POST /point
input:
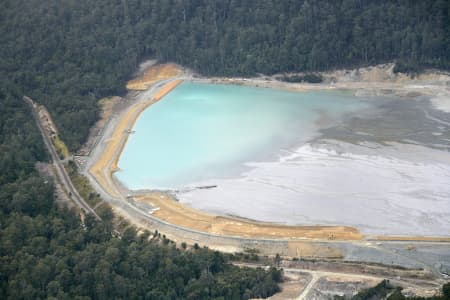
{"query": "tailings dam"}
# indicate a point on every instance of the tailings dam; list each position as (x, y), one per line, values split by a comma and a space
(377, 163)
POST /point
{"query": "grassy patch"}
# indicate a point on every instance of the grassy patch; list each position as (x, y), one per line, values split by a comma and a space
(83, 186)
(61, 148)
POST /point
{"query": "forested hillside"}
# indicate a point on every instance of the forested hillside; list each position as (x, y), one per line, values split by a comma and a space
(46, 253)
(67, 54)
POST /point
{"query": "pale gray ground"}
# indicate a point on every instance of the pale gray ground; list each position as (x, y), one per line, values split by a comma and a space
(385, 170)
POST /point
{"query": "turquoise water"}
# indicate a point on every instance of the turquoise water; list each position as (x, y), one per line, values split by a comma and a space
(204, 131)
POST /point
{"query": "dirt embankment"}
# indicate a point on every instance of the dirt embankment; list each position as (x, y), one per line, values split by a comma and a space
(103, 168)
(52, 132)
(413, 238)
(153, 74)
(108, 106)
(375, 80)
(176, 213)
(382, 73)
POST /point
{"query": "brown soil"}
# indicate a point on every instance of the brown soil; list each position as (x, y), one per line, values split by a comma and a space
(413, 238)
(107, 163)
(182, 215)
(305, 249)
(165, 90)
(107, 107)
(153, 74)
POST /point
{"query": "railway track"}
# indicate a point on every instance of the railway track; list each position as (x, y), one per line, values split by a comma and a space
(61, 172)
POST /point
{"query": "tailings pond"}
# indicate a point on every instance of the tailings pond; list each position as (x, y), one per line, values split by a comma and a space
(381, 164)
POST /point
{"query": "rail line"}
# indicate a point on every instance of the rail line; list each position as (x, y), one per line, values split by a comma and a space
(61, 172)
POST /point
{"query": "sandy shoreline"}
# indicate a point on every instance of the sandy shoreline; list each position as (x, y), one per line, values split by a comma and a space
(168, 209)
(106, 165)
(176, 213)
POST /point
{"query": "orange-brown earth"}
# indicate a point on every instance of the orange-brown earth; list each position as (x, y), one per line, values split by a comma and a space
(176, 213)
(154, 74)
(107, 163)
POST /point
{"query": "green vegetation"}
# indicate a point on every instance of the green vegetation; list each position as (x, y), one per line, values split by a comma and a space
(47, 252)
(82, 185)
(407, 67)
(68, 54)
(380, 291)
(61, 148)
(384, 290)
(55, 257)
(309, 78)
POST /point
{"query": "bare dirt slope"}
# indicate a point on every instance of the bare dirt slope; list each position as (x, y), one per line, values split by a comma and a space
(154, 74)
(107, 162)
(176, 213)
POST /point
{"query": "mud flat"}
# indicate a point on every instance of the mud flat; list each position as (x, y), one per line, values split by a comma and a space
(398, 152)
(368, 188)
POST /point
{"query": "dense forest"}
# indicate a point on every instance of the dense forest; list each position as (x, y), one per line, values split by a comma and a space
(67, 54)
(48, 253)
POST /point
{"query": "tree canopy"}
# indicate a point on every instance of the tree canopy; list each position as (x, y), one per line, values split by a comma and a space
(67, 54)
(48, 253)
